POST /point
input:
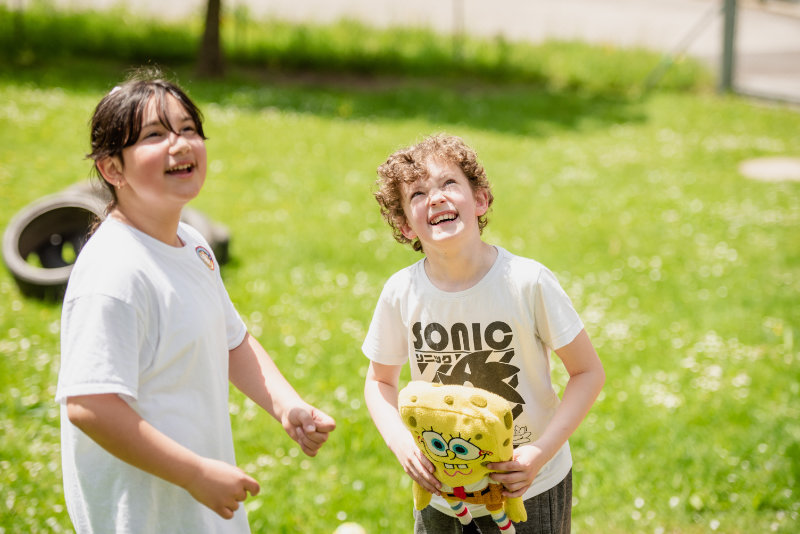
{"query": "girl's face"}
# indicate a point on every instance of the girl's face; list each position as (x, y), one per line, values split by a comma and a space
(163, 169)
(442, 207)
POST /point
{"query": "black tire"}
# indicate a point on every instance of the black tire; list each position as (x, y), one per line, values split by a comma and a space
(47, 227)
(43, 229)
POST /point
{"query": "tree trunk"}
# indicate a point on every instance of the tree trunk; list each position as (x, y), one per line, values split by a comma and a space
(209, 60)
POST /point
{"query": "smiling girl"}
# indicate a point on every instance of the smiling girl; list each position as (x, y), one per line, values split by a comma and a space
(150, 339)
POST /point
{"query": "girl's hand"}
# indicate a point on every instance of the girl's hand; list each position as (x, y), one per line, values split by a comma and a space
(221, 486)
(417, 466)
(309, 427)
(518, 473)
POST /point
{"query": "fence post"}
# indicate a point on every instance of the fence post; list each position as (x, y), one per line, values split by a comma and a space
(728, 46)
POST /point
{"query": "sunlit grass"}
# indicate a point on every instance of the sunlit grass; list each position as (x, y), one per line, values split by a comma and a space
(41, 34)
(686, 274)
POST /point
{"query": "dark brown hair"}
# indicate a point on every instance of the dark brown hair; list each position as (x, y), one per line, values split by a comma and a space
(408, 165)
(117, 119)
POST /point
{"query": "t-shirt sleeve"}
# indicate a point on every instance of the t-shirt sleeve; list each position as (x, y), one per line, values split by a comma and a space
(557, 322)
(103, 357)
(235, 329)
(387, 338)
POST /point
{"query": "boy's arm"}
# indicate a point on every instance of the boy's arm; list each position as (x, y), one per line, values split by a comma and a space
(586, 379)
(115, 426)
(254, 373)
(380, 393)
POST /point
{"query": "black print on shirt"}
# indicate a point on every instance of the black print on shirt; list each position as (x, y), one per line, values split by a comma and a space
(474, 354)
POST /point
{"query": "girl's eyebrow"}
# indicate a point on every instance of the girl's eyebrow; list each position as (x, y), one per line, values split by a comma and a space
(159, 122)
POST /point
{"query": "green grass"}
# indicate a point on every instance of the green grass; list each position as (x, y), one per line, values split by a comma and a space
(686, 273)
(42, 35)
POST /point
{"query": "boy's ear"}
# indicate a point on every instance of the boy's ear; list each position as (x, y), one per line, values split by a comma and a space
(406, 230)
(481, 202)
(110, 168)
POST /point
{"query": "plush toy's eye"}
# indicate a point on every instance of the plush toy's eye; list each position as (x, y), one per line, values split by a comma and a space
(463, 449)
(435, 442)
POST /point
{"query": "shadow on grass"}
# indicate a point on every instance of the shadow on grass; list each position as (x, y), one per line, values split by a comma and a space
(514, 108)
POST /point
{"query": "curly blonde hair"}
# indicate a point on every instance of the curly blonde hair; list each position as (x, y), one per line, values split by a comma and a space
(408, 165)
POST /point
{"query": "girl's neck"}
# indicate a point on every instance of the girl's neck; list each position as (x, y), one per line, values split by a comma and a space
(459, 270)
(164, 229)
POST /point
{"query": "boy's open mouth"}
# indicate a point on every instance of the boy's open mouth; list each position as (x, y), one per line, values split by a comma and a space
(443, 217)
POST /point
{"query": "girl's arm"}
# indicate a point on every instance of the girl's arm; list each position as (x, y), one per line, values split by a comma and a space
(586, 379)
(380, 393)
(254, 373)
(115, 426)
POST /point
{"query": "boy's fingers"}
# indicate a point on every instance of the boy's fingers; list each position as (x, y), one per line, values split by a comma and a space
(510, 465)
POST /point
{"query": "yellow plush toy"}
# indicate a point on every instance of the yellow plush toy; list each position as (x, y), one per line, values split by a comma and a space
(460, 429)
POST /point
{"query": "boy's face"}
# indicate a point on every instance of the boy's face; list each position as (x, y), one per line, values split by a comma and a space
(442, 206)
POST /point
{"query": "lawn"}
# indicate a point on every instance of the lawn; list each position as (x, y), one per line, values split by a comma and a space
(686, 273)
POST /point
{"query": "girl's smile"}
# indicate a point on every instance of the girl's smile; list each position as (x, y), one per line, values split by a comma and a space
(161, 172)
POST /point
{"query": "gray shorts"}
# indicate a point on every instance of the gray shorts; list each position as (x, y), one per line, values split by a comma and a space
(548, 513)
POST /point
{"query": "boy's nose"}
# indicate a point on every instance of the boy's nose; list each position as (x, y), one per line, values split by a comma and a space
(437, 196)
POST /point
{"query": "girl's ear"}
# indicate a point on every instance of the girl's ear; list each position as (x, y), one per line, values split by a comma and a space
(481, 202)
(110, 168)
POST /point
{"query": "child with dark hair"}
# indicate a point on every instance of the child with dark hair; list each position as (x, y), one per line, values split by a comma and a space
(470, 313)
(150, 340)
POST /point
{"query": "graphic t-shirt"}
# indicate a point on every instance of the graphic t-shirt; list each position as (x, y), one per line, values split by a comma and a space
(496, 335)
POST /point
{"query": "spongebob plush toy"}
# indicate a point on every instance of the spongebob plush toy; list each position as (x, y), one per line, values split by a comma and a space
(460, 429)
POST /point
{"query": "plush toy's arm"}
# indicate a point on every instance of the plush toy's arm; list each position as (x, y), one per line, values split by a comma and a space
(421, 497)
(515, 509)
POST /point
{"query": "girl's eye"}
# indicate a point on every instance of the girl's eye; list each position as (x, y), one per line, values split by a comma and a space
(415, 194)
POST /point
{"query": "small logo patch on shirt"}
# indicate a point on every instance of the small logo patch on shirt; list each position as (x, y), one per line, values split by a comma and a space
(205, 256)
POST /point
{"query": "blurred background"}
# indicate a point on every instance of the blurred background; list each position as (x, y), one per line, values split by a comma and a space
(765, 36)
(647, 151)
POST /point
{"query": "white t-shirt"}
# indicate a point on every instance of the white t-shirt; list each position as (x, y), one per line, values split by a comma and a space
(496, 335)
(154, 324)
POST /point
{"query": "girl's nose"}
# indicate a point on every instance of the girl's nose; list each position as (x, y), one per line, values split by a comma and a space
(177, 143)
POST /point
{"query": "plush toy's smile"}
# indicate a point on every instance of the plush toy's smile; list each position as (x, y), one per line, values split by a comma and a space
(456, 472)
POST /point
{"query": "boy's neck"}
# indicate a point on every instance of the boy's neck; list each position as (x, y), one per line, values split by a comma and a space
(461, 269)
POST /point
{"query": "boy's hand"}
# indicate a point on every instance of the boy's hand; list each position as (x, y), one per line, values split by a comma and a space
(417, 466)
(221, 486)
(309, 427)
(518, 473)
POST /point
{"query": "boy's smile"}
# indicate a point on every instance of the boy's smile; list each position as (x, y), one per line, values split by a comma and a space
(442, 205)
